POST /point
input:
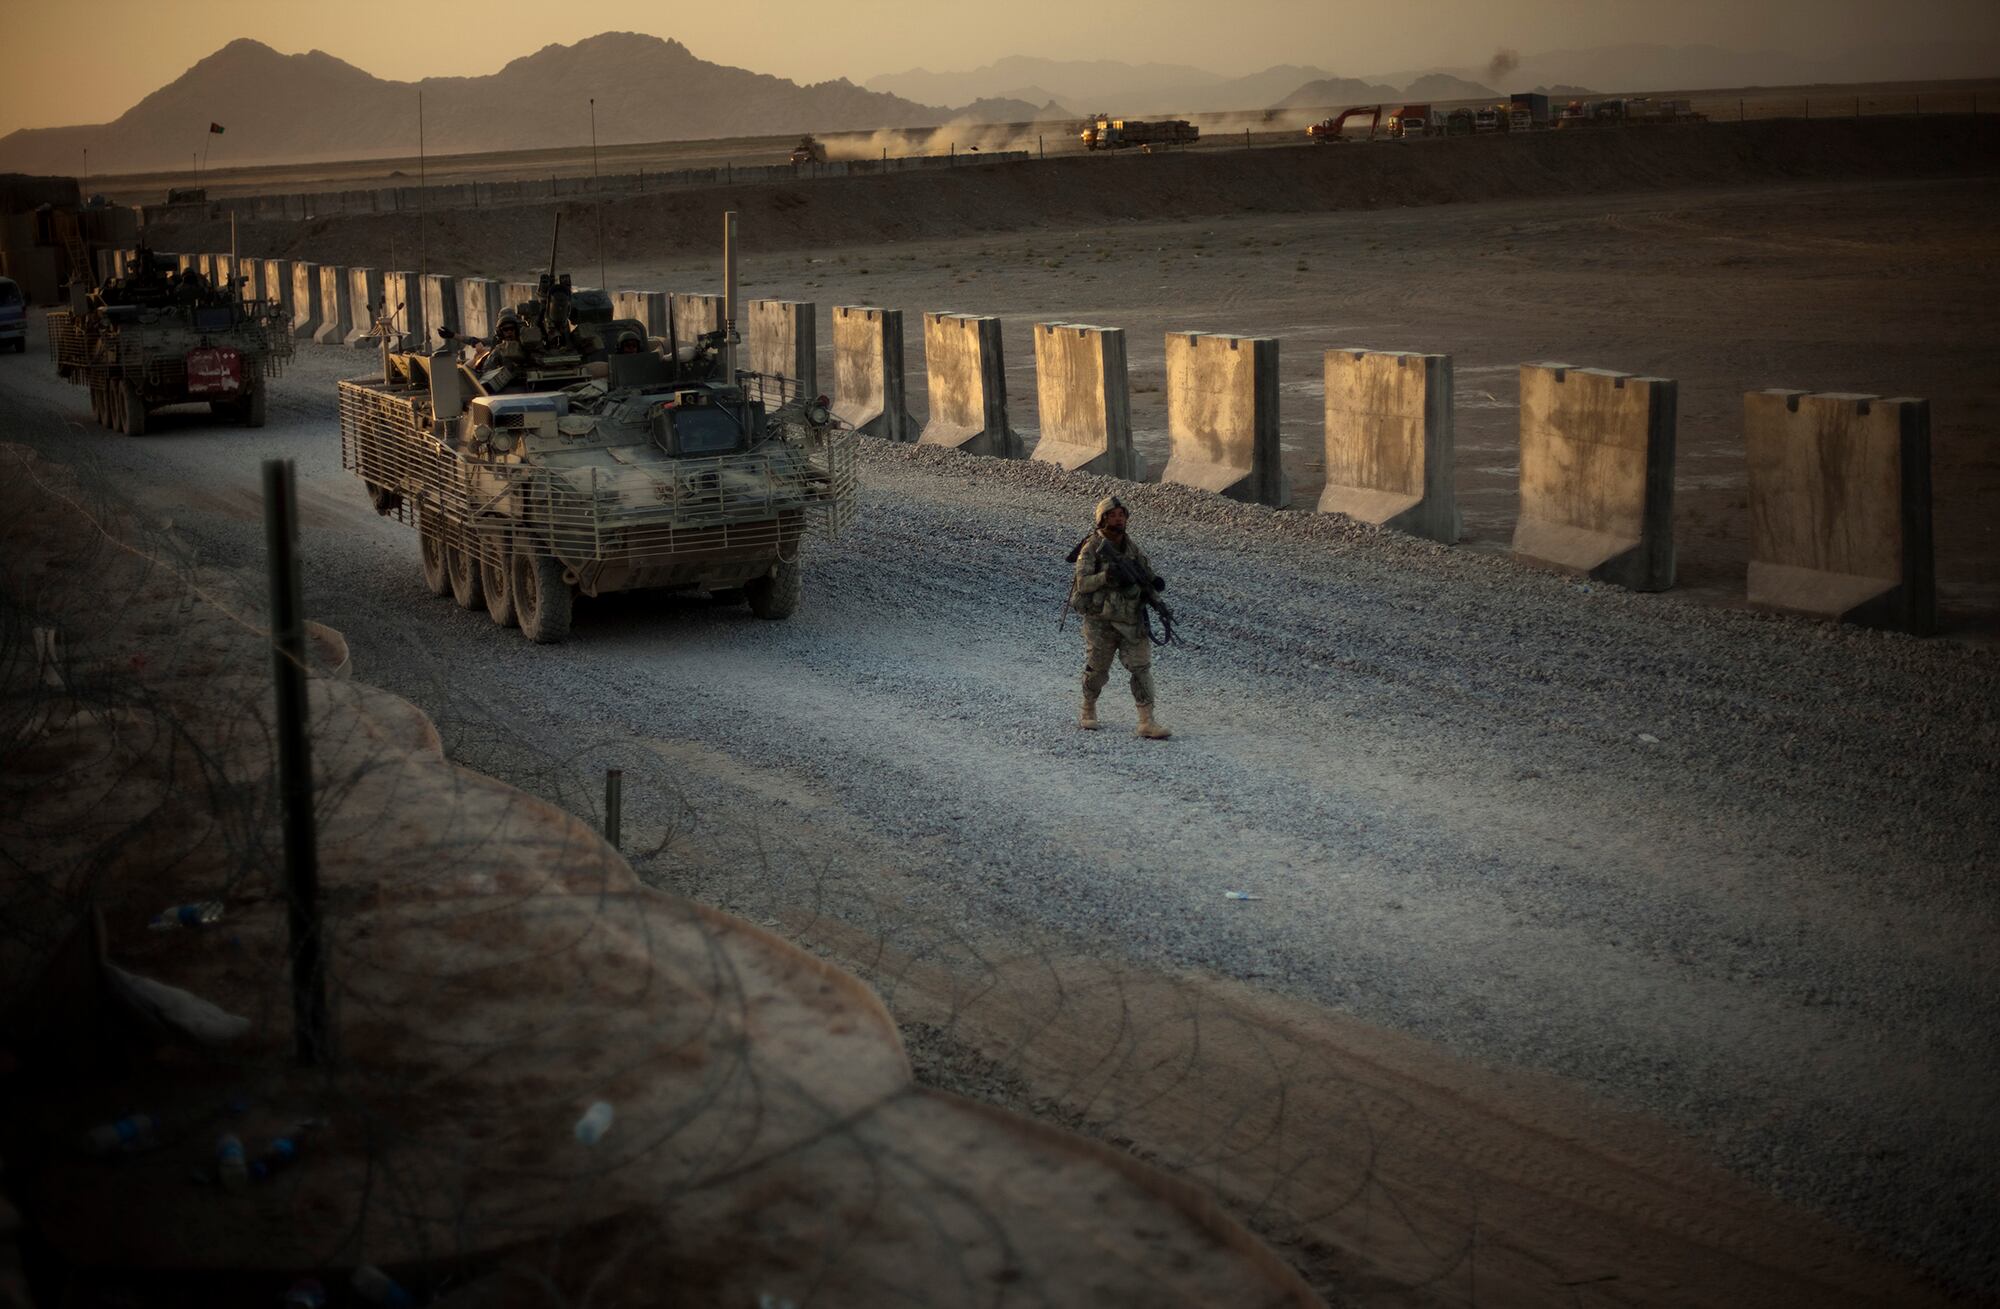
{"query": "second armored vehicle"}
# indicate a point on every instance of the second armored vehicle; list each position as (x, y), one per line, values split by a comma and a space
(157, 337)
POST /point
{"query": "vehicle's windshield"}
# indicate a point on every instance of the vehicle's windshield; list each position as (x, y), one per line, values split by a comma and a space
(706, 430)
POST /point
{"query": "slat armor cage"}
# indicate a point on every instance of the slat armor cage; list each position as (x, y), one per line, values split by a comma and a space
(156, 352)
(627, 511)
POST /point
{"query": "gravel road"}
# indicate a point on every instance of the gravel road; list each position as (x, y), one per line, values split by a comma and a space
(1730, 869)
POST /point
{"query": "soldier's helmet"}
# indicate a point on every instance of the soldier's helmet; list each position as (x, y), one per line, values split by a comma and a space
(509, 322)
(630, 344)
(1106, 505)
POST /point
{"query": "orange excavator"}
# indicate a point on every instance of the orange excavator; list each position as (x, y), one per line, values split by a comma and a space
(1329, 130)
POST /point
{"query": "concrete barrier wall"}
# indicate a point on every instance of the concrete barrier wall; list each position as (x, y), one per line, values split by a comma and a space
(649, 307)
(334, 318)
(478, 306)
(221, 269)
(1084, 398)
(784, 342)
(185, 262)
(484, 195)
(438, 292)
(1389, 443)
(405, 294)
(868, 372)
(1222, 416)
(364, 296)
(1597, 474)
(1840, 507)
(515, 294)
(694, 314)
(967, 375)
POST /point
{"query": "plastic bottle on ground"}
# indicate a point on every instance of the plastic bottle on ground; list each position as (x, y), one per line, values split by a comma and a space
(596, 1121)
(128, 1133)
(232, 1166)
(377, 1287)
(198, 914)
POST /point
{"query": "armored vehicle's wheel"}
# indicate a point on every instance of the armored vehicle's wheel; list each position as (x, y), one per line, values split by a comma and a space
(775, 595)
(252, 412)
(114, 406)
(494, 576)
(135, 411)
(541, 597)
(431, 546)
(464, 570)
(97, 402)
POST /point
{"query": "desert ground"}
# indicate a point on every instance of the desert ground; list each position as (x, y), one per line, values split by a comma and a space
(1608, 948)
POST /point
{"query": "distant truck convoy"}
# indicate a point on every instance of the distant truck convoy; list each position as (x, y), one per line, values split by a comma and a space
(1527, 111)
(1410, 121)
(1107, 133)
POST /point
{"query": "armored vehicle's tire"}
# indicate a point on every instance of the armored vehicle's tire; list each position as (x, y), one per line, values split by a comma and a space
(464, 569)
(97, 402)
(432, 550)
(542, 598)
(114, 406)
(775, 595)
(252, 413)
(135, 411)
(495, 577)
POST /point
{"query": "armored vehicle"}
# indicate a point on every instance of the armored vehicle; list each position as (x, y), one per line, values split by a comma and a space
(585, 457)
(157, 336)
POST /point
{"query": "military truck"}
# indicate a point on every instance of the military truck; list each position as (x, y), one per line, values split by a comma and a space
(808, 151)
(586, 458)
(157, 336)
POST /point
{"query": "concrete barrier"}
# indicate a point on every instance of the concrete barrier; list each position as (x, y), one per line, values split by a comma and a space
(692, 314)
(1084, 399)
(515, 294)
(335, 319)
(306, 315)
(277, 283)
(1389, 444)
(649, 307)
(438, 293)
(185, 262)
(405, 294)
(364, 299)
(868, 372)
(478, 306)
(784, 342)
(1597, 474)
(221, 269)
(1840, 507)
(1222, 416)
(967, 374)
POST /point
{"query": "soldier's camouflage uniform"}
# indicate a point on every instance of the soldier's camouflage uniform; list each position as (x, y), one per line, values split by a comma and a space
(1113, 618)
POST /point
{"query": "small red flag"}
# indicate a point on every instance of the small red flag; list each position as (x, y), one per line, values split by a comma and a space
(215, 128)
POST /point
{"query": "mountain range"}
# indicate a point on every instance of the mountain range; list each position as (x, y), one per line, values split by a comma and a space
(313, 107)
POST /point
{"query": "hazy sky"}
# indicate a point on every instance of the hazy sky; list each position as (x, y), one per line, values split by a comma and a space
(132, 47)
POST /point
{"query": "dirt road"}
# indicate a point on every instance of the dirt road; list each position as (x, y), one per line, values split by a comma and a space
(1595, 930)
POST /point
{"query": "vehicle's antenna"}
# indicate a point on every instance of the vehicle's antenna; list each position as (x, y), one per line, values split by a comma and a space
(423, 249)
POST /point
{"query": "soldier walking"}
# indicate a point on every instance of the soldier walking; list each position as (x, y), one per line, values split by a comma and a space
(1111, 586)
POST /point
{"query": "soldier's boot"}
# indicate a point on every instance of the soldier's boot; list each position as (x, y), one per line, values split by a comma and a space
(1150, 728)
(1087, 720)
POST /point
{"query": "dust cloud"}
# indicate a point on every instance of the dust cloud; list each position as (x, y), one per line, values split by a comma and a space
(1502, 63)
(963, 135)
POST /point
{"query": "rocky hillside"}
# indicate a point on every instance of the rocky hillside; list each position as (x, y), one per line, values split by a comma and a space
(306, 107)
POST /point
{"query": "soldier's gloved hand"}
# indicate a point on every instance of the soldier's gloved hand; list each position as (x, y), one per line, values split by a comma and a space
(1159, 582)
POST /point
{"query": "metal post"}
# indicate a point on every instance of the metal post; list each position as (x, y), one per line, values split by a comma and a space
(614, 804)
(423, 248)
(311, 1039)
(593, 143)
(729, 297)
(602, 280)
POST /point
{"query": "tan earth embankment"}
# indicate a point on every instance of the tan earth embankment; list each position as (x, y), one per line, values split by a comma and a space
(1090, 190)
(494, 968)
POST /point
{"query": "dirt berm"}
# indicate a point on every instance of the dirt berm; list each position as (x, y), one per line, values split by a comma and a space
(1093, 190)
